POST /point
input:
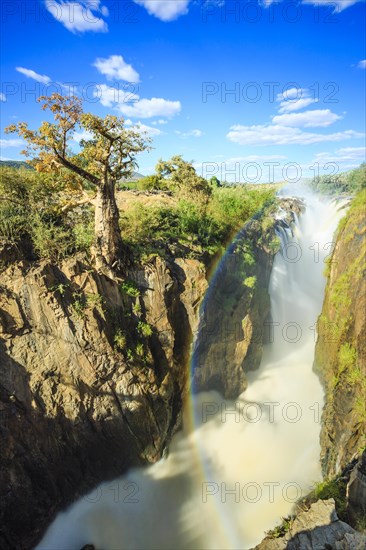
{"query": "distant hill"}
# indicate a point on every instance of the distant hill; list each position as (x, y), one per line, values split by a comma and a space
(16, 164)
(135, 176)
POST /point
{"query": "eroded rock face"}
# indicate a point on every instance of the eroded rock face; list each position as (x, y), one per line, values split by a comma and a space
(317, 528)
(93, 373)
(356, 490)
(79, 404)
(233, 326)
(340, 355)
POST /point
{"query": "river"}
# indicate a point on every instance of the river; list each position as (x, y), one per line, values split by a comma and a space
(244, 464)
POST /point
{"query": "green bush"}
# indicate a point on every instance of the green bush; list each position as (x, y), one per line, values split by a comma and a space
(83, 235)
(130, 288)
(50, 240)
(14, 222)
(120, 340)
(151, 183)
(250, 282)
(144, 329)
(347, 357)
(344, 182)
(195, 221)
(331, 488)
(202, 218)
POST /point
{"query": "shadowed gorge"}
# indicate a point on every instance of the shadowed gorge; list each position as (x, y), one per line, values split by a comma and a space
(209, 472)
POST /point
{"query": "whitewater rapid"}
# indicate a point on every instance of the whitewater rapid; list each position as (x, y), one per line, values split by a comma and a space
(245, 463)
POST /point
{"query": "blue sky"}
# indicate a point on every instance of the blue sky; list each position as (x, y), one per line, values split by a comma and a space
(295, 70)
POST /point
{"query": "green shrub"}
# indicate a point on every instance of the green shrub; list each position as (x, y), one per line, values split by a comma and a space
(250, 282)
(282, 529)
(50, 241)
(144, 329)
(347, 357)
(14, 222)
(151, 183)
(136, 308)
(79, 305)
(331, 488)
(83, 234)
(130, 288)
(94, 300)
(140, 350)
(120, 340)
(344, 182)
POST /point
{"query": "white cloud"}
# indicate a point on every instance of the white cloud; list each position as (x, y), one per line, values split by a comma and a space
(340, 160)
(191, 133)
(338, 5)
(11, 143)
(292, 94)
(362, 64)
(274, 134)
(143, 128)
(306, 119)
(165, 10)
(296, 105)
(131, 105)
(160, 121)
(354, 153)
(353, 156)
(81, 16)
(147, 108)
(108, 96)
(78, 136)
(256, 158)
(42, 78)
(2, 96)
(114, 67)
(294, 99)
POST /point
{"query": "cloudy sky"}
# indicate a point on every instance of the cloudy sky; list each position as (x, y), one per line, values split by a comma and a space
(248, 90)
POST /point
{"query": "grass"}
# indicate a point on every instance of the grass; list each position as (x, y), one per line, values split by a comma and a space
(120, 340)
(130, 288)
(79, 305)
(144, 329)
(196, 219)
(282, 529)
(331, 488)
(250, 282)
(195, 226)
(347, 369)
(94, 300)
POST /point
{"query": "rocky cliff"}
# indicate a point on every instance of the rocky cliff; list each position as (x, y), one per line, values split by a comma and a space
(93, 370)
(317, 528)
(91, 379)
(234, 321)
(316, 524)
(340, 356)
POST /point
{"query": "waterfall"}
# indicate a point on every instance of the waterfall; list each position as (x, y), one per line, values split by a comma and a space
(245, 463)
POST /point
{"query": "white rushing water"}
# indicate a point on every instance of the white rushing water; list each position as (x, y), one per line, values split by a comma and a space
(241, 468)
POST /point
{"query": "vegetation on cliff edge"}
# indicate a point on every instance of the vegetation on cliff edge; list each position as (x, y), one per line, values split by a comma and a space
(41, 210)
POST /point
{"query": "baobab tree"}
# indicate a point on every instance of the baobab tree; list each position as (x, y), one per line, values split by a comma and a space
(107, 154)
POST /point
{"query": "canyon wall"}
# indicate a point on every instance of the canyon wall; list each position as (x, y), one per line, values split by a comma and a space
(340, 356)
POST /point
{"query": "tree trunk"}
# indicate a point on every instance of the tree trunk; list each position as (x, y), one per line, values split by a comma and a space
(108, 242)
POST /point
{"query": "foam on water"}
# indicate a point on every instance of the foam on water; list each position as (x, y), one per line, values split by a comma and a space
(239, 470)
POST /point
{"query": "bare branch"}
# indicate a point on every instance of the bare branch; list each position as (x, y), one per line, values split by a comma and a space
(71, 206)
(77, 169)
